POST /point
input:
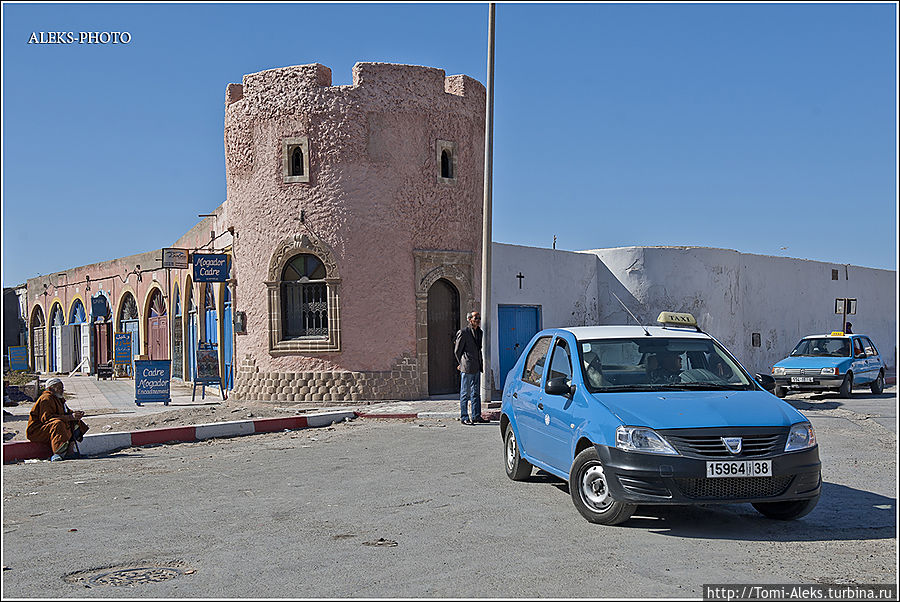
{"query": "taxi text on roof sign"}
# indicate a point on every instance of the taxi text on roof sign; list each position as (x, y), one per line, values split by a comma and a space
(836, 333)
(680, 319)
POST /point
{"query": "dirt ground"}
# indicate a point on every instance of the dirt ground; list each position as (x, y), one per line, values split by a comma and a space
(221, 411)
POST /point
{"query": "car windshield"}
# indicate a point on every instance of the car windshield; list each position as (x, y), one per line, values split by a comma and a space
(659, 364)
(823, 347)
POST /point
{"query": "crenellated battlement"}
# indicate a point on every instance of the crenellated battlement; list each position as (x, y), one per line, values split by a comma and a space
(372, 79)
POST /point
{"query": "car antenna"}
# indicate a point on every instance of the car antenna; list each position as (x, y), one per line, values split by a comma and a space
(647, 332)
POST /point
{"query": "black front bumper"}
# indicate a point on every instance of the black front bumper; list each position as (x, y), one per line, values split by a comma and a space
(639, 478)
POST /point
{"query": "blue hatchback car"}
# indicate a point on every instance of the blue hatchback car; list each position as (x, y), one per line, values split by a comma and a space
(660, 415)
(830, 362)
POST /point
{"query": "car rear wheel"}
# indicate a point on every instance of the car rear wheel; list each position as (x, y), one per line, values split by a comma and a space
(780, 392)
(589, 489)
(847, 386)
(787, 510)
(517, 469)
(878, 385)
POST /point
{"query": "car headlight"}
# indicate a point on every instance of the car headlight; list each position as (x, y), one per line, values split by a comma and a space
(801, 436)
(642, 439)
(830, 371)
(778, 371)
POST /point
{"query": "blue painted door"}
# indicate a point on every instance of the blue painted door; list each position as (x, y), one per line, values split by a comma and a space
(227, 339)
(517, 323)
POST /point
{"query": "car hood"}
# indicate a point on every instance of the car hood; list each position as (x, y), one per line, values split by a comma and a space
(699, 409)
(812, 362)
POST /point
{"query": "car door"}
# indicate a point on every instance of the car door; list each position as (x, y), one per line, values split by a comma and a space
(873, 357)
(555, 432)
(528, 394)
(860, 364)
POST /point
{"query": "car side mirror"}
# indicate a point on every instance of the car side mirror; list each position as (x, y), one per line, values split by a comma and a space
(766, 381)
(559, 386)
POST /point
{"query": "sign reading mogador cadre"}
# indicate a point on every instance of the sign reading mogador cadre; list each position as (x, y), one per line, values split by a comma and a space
(18, 358)
(175, 258)
(122, 348)
(210, 268)
(151, 381)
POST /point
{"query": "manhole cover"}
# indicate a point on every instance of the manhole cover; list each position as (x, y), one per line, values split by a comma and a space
(135, 576)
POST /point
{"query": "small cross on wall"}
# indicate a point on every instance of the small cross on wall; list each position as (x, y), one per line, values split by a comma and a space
(520, 276)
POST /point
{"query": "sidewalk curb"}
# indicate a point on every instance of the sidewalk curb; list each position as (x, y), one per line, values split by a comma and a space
(103, 443)
(487, 414)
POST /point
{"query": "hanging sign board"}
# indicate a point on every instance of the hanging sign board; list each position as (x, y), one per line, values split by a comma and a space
(210, 268)
(122, 348)
(18, 358)
(151, 381)
(175, 258)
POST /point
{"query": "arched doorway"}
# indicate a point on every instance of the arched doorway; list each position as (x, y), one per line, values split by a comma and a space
(227, 339)
(79, 338)
(38, 340)
(56, 333)
(158, 327)
(128, 322)
(192, 324)
(178, 339)
(443, 322)
(211, 330)
(102, 324)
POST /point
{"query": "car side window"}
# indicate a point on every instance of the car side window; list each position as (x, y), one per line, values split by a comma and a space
(869, 346)
(858, 348)
(561, 362)
(534, 362)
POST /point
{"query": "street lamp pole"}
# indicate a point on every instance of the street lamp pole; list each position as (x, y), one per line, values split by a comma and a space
(487, 314)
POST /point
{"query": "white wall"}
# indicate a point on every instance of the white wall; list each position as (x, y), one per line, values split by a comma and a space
(731, 294)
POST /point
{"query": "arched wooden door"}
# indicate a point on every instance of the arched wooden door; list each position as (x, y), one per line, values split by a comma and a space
(177, 339)
(80, 337)
(56, 334)
(443, 322)
(103, 339)
(158, 327)
(129, 322)
(227, 347)
(38, 340)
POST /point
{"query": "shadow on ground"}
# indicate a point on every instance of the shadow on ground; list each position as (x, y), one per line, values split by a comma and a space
(843, 513)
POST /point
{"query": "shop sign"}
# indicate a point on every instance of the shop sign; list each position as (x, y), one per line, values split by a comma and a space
(151, 381)
(122, 348)
(18, 358)
(175, 258)
(210, 267)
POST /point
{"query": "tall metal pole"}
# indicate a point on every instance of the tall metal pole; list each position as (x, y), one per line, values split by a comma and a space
(487, 314)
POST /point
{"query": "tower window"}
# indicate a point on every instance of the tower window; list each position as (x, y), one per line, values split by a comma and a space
(295, 159)
(446, 157)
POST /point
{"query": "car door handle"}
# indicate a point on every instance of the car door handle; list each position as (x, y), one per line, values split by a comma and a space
(540, 406)
(516, 395)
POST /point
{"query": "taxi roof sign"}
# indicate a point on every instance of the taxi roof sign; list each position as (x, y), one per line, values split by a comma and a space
(836, 333)
(676, 319)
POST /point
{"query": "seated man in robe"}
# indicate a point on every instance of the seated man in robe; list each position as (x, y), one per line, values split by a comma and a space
(51, 421)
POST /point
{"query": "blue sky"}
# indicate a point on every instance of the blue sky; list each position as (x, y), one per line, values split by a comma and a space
(746, 126)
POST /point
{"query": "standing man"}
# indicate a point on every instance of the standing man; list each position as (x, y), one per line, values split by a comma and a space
(51, 421)
(470, 364)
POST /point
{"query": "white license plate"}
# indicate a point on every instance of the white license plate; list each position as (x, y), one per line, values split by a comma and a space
(801, 379)
(741, 468)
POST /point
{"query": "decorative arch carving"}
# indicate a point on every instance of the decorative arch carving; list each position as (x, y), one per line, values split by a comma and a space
(302, 243)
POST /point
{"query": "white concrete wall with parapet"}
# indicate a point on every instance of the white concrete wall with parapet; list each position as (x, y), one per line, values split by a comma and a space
(732, 294)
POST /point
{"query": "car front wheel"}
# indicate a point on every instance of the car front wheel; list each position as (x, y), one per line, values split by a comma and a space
(517, 469)
(786, 510)
(589, 489)
(846, 389)
(878, 385)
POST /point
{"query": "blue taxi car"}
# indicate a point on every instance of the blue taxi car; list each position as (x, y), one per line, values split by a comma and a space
(630, 415)
(830, 362)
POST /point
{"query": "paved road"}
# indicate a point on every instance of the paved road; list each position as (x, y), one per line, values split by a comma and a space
(316, 513)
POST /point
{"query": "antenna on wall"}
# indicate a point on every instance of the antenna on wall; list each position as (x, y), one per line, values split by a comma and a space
(647, 332)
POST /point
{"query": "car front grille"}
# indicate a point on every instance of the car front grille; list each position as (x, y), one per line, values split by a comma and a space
(707, 443)
(734, 488)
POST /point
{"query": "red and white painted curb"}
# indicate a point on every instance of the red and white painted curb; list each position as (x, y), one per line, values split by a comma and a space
(103, 443)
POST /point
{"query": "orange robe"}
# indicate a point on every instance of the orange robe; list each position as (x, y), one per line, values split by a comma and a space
(44, 429)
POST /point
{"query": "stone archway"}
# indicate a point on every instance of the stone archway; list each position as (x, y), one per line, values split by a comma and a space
(457, 269)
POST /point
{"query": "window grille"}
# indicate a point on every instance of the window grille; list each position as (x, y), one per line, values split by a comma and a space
(304, 298)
